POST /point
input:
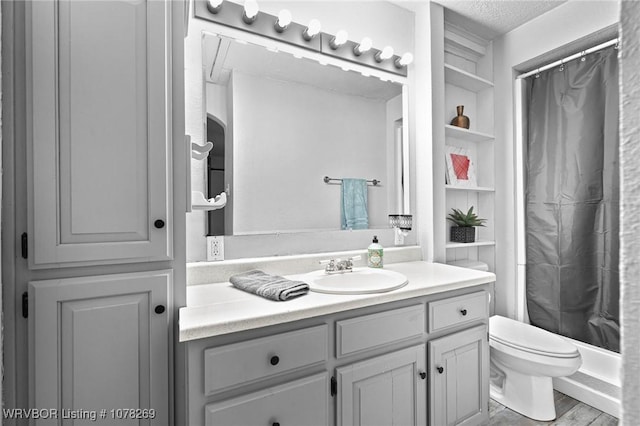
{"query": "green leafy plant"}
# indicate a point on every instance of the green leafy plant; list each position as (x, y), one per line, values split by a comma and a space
(468, 219)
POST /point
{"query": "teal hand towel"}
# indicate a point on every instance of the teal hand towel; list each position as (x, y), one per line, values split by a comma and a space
(353, 212)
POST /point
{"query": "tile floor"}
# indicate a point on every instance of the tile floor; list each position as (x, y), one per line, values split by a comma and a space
(569, 411)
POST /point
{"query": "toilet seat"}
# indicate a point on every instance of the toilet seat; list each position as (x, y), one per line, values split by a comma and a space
(530, 339)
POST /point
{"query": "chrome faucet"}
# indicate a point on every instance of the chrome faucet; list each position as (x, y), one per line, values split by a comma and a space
(339, 266)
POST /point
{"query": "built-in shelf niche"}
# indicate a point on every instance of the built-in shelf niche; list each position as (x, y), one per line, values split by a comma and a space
(468, 74)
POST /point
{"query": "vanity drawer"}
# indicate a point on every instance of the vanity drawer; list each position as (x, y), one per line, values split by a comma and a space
(457, 310)
(369, 331)
(245, 362)
(302, 402)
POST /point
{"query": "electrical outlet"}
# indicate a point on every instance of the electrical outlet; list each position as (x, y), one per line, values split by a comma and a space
(215, 247)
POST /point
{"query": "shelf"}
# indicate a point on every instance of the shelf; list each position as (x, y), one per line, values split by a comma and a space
(470, 188)
(451, 245)
(466, 134)
(466, 80)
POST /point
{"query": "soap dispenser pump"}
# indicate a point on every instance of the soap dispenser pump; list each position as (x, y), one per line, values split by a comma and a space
(374, 254)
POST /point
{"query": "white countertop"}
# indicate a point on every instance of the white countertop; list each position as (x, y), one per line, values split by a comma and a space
(219, 308)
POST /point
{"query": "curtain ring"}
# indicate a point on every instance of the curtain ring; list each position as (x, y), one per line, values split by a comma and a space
(538, 73)
(561, 65)
(584, 56)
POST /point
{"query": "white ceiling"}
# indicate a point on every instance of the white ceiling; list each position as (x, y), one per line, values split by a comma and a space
(491, 18)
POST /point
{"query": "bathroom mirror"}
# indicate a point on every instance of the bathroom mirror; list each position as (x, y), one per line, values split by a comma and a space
(280, 123)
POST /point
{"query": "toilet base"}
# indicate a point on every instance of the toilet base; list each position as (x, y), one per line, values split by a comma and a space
(531, 396)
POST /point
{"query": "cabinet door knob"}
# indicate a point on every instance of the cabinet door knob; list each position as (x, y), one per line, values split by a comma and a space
(440, 370)
(274, 360)
(159, 223)
(275, 424)
(463, 312)
(159, 309)
(423, 375)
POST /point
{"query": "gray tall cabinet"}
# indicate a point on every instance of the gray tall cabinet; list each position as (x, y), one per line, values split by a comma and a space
(95, 252)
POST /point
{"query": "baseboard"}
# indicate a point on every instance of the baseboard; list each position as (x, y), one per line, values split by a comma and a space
(592, 391)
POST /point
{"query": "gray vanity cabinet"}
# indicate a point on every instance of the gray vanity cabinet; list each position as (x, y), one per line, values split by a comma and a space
(385, 390)
(378, 365)
(458, 377)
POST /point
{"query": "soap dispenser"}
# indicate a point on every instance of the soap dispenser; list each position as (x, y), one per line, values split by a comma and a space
(374, 254)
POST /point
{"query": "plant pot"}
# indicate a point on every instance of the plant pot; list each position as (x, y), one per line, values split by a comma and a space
(463, 234)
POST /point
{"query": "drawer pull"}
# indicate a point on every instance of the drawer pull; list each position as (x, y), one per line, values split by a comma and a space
(423, 375)
(274, 361)
(463, 312)
(440, 370)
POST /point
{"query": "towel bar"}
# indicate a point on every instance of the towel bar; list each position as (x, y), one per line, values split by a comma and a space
(327, 179)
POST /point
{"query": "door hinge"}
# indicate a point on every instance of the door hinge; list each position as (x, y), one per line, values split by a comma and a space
(25, 304)
(24, 242)
(334, 386)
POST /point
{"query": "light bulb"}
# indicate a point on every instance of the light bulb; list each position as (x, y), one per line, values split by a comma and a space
(283, 21)
(384, 54)
(214, 6)
(312, 29)
(339, 39)
(251, 10)
(405, 60)
(364, 46)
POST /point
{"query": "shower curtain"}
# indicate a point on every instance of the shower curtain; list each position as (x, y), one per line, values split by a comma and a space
(572, 200)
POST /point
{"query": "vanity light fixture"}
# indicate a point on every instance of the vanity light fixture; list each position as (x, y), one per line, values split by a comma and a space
(404, 60)
(312, 30)
(214, 6)
(250, 13)
(384, 54)
(339, 39)
(363, 47)
(242, 15)
(283, 21)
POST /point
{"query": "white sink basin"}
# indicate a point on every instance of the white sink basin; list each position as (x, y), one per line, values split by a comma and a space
(360, 281)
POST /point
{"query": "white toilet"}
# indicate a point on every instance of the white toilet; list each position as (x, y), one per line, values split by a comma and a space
(524, 359)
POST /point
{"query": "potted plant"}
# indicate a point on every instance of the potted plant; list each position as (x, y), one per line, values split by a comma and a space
(464, 230)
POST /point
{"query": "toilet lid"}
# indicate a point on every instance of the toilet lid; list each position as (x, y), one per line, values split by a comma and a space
(529, 338)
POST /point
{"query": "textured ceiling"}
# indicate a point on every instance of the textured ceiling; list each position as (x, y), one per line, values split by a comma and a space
(491, 18)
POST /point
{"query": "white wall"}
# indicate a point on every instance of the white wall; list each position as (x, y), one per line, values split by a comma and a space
(630, 210)
(559, 27)
(287, 137)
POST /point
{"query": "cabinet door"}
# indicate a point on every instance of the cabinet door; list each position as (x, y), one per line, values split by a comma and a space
(386, 390)
(98, 113)
(99, 343)
(459, 378)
